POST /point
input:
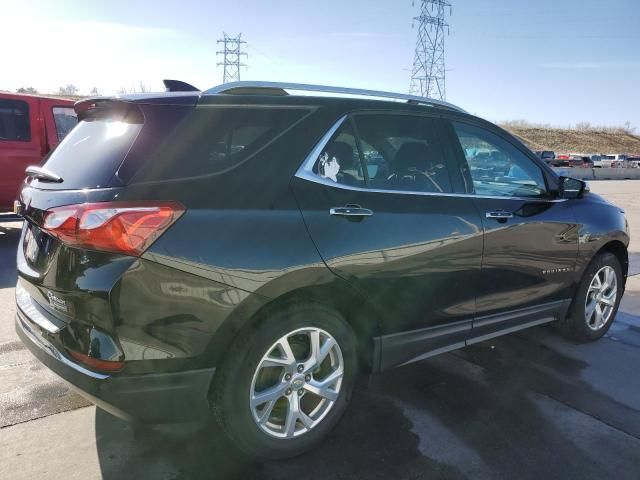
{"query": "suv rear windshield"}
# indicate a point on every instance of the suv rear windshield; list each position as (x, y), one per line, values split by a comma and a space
(91, 153)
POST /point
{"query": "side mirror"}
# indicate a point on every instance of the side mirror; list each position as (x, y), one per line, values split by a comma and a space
(572, 188)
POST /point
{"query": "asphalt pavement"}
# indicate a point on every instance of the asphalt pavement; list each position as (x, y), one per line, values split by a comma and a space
(528, 405)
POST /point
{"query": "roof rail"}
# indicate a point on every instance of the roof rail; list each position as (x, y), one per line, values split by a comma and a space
(251, 85)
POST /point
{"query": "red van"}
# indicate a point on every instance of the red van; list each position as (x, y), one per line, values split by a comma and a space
(30, 127)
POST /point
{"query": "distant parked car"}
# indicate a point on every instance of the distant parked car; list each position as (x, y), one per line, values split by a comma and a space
(546, 155)
(586, 162)
(580, 161)
(633, 162)
(30, 127)
(559, 161)
(614, 160)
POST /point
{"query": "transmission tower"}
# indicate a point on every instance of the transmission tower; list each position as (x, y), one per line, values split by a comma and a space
(232, 54)
(428, 73)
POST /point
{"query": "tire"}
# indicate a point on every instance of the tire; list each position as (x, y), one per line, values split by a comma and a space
(582, 324)
(239, 379)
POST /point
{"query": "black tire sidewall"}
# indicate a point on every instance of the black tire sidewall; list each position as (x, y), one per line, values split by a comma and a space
(577, 326)
(233, 390)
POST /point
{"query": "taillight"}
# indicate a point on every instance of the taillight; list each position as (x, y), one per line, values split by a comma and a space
(96, 363)
(127, 228)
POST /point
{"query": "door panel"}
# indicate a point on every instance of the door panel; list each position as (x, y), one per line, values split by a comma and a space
(417, 257)
(530, 239)
(528, 259)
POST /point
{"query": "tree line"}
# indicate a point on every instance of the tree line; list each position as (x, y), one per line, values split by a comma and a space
(72, 90)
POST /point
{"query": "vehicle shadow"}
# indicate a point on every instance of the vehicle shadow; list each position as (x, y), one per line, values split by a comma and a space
(9, 237)
(359, 448)
(500, 409)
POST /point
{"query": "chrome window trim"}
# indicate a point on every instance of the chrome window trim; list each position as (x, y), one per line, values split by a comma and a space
(305, 172)
(310, 161)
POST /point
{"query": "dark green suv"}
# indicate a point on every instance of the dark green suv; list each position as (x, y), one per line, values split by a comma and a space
(247, 252)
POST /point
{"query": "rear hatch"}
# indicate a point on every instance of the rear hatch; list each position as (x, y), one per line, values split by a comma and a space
(78, 237)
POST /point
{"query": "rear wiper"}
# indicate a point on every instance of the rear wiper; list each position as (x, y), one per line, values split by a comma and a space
(43, 174)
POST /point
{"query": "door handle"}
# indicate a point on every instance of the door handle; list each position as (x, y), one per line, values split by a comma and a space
(350, 211)
(499, 214)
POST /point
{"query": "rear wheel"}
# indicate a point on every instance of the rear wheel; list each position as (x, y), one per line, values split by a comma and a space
(286, 383)
(596, 302)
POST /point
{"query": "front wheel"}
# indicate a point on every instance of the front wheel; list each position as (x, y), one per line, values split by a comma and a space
(596, 302)
(286, 383)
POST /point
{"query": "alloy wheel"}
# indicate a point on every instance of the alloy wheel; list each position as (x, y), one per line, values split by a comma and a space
(296, 383)
(601, 298)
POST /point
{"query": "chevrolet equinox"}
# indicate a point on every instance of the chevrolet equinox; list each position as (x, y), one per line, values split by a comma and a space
(244, 252)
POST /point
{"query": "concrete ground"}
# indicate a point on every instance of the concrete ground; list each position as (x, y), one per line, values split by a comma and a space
(529, 405)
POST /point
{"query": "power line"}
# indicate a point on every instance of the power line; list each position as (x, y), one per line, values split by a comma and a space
(428, 72)
(232, 53)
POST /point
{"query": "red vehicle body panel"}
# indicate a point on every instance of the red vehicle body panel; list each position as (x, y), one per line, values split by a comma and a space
(15, 156)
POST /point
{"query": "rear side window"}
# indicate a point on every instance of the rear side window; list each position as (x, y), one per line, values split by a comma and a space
(65, 119)
(14, 121)
(212, 140)
(402, 152)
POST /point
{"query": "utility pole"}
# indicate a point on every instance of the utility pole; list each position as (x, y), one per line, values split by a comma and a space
(232, 54)
(428, 72)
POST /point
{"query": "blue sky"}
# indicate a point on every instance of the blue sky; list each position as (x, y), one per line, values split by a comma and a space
(546, 61)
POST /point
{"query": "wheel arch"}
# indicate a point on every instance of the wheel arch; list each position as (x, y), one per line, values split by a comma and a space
(619, 250)
(347, 301)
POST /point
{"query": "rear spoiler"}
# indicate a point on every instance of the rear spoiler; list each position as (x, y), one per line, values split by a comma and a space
(125, 111)
(178, 86)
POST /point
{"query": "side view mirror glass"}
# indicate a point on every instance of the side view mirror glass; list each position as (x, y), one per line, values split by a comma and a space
(572, 188)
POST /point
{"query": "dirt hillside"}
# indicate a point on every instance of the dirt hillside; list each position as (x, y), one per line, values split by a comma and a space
(576, 141)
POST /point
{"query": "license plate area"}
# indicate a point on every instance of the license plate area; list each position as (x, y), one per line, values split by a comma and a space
(37, 247)
(30, 246)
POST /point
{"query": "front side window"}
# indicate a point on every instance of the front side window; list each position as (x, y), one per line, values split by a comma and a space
(401, 152)
(65, 119)
(497, 167)
(14, 121)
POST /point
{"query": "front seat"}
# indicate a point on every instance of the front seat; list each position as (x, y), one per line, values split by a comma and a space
(415, 170)
(410, 165)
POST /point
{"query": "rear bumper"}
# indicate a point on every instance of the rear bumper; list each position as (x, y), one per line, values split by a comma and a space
(151, 398)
